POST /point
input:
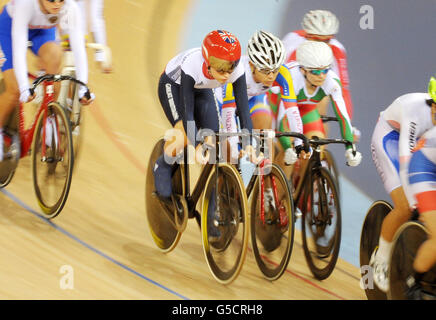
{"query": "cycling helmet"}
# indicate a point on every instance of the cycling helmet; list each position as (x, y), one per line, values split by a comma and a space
(223, 46)
(314, 55)
(432, 89)
(320, 22)
(266, 51)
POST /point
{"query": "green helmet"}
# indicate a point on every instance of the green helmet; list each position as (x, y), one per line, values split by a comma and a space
(432, 88)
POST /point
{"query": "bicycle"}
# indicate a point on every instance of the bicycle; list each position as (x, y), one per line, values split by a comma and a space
(272, 221)
(316, 193)
(49, 142)
(221, 189)
(369, 238)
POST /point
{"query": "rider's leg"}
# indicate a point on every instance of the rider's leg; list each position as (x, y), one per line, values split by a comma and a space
(10, 97)
(50, 54)
(426, 256)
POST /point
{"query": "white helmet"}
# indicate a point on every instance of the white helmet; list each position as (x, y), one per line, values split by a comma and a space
(320, 22)
(266, 51)
(314, 55)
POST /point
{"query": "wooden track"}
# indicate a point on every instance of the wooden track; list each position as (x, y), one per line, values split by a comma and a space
(102, 233)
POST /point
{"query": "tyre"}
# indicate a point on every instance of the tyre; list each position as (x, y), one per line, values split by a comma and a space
(52, 174)
(224, 223)
(321, 223)
(272, 236)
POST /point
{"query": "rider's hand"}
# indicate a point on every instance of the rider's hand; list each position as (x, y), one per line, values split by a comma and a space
(353, 160)
(201, 156)
(290, 156)
(25, 96)
(82, 98)
(250, 151)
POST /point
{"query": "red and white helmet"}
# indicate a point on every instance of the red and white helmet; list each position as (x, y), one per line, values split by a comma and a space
(320, 22)
(223, 45)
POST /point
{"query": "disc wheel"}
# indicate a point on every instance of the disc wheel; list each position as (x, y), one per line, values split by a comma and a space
(369, 238)
(161, 222)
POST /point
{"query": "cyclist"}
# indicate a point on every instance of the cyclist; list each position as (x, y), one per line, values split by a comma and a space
(313, 81)
(93, 9)
(186, 97)
(323, 25)
(422, 179)
(265, 70)
(394, 137)
(36, 20)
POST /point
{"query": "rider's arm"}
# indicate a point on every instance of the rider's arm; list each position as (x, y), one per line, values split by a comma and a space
(289, 100)
(20, 23)
(77, 41)
(341, 59)
(187, 99)
(240, 92)
(333, 88)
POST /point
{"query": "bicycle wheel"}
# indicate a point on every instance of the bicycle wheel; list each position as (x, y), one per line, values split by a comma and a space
(407, 240)
(369, 238)
(161, 218)
(52, 173)
(321, 223)
(330, 164)
(12, 149)
(224, 223)
(272, 236)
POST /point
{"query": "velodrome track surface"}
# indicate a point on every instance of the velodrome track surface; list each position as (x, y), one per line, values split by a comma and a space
(102, 232)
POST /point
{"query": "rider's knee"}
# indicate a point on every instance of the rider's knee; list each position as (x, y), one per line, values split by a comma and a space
(51, 58)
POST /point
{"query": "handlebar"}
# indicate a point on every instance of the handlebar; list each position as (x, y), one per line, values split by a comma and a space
(56, 78)
(327, 119)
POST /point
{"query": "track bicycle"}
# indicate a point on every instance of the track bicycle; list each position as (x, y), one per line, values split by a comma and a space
(317, 196)
(272, 219)
(49, 141)
(219, 194)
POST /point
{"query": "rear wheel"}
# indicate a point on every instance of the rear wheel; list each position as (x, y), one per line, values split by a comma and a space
(224, 223)
(272, 235)
(163, 226)
(52, 173)
(406, 243)
(369, 238)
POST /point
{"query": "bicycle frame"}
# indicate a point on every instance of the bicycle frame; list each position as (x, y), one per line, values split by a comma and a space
(26, 136)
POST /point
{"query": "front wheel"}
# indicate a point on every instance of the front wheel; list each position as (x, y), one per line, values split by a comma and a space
(224, 223)
(321, 224)
(53, 170)
(272, 233)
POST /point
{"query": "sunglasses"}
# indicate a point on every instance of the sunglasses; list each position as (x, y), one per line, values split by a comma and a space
(268, 71)
(317, 72)
(317, 38)
(53, 1)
